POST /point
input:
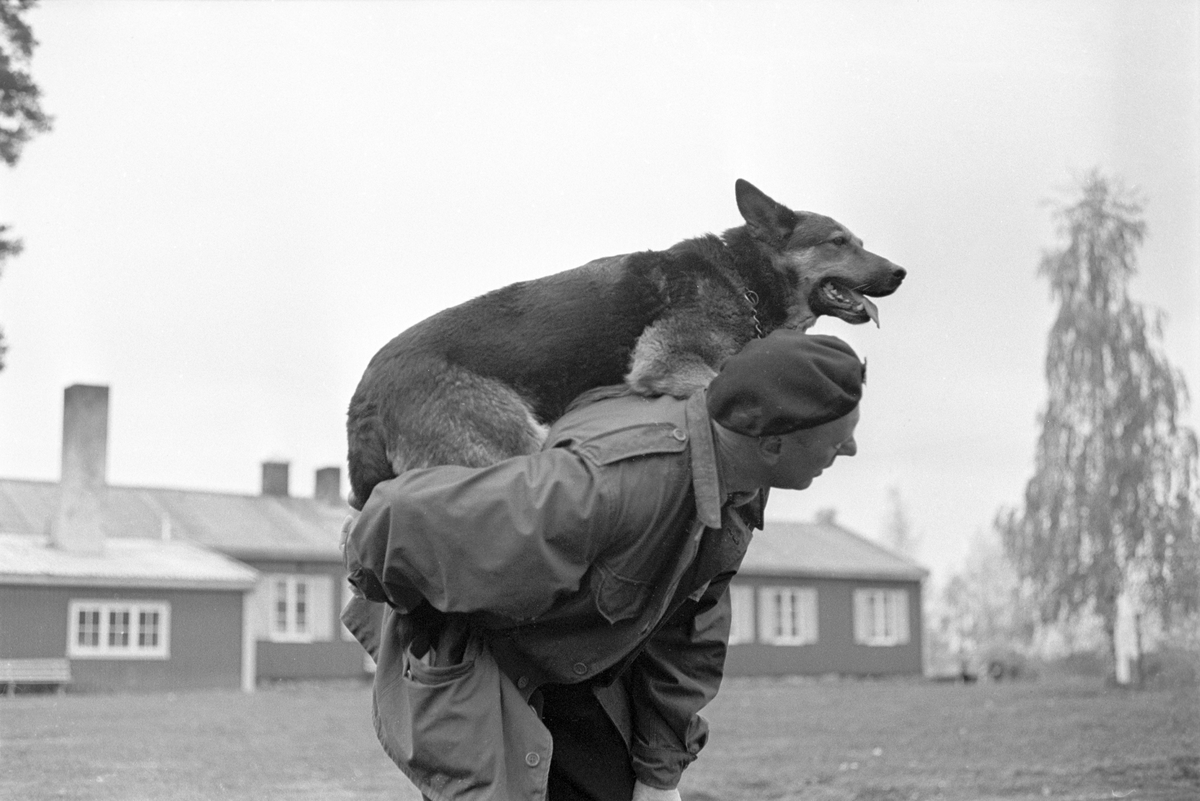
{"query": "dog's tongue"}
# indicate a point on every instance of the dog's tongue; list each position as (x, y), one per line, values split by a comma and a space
(872, 312)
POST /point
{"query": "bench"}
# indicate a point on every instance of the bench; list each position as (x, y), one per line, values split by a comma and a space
(34, 671)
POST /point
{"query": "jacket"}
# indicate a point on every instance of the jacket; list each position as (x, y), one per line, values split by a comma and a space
(604, 558)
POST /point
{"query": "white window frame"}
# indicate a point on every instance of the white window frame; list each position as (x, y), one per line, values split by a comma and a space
(104, 646)
(291, 628)
(741, 622)
(881, 617)
(788, 615)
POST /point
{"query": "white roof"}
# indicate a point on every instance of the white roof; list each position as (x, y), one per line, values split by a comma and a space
(32, 560)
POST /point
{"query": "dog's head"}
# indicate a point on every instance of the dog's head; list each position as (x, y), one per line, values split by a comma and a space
(824, 265)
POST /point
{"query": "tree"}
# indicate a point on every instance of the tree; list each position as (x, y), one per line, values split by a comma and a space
(897, 526)
(983, 612)
(21, 115)
(1111, 505)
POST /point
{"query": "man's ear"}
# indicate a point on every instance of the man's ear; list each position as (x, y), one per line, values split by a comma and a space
(769, 448)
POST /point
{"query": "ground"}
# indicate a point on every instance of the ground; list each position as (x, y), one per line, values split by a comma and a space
(824, 740)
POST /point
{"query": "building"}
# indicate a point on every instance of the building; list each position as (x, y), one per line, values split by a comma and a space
(153, 588)
(156, 588)
(815, 598)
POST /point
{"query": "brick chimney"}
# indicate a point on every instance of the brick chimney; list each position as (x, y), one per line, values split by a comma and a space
(275, 479)
(76, 526)
(328, 486)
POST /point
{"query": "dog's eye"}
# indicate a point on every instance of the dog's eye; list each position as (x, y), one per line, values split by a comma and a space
(839, 240)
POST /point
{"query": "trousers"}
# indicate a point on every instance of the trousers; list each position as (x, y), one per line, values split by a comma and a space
(591, 761)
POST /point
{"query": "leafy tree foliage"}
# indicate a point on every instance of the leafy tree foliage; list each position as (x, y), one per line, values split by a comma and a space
(1111, 507)
(983, 612)
(21, 115)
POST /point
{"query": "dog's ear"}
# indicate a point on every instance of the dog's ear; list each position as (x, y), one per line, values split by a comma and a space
(767, 220)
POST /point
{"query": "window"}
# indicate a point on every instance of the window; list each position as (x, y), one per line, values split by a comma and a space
(787, 615)
(741, 628)
(291, 602)
(295, 608)
(880, 617)
(118, 630)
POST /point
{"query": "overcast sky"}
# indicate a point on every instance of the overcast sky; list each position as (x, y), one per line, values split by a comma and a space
(241, 202)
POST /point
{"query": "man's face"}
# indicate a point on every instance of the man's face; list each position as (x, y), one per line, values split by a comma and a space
(801, 456)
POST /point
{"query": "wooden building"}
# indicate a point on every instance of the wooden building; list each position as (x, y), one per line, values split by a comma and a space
(271, 596)
(815, 598)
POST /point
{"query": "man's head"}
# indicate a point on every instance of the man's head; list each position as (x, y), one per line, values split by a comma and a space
(785, 407)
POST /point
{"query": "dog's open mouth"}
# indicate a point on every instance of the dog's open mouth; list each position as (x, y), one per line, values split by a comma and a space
(845, 302)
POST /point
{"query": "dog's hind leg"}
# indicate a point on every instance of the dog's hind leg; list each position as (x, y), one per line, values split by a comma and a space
(464, 419)
(441, 414)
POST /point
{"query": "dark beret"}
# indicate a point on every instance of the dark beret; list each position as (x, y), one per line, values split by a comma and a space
(785, 382)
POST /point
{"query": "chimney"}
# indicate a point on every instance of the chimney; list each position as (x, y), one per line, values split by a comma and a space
(77, 526)
(275, 479)
(328, 486)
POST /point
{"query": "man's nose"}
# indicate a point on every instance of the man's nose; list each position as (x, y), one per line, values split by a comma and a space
(849, 448)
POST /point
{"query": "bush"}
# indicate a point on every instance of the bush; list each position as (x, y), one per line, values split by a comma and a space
(1171, 666)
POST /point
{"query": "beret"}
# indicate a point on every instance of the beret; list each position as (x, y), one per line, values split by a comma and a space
(785, 382)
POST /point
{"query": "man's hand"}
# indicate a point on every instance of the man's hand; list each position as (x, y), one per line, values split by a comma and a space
(644, 792)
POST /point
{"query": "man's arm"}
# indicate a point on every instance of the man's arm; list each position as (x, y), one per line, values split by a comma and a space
(505, 539)
(674, 677)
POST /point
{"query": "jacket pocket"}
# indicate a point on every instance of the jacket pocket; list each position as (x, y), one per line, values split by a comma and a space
(461, 732)
(619, 598)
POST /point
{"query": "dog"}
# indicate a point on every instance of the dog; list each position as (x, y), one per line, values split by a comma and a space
(481, 381)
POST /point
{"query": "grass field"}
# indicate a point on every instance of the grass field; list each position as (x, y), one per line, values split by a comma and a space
(771, 739)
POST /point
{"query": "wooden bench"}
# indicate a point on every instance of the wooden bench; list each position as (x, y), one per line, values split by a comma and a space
(34, 671)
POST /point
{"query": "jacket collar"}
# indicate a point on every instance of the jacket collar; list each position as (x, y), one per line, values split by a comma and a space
(706, 474)
(706, 479)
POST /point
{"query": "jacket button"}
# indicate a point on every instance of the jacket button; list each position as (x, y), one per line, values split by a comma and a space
(523, 682)
(679, 435)
(579, 668)
(532, 759)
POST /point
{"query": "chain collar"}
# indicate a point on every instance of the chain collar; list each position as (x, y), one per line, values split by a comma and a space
(752, 298)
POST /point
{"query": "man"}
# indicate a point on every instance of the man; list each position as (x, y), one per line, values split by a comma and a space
(557, 621)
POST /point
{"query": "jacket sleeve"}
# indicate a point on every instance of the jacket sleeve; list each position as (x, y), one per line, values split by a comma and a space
(505, 539)
(674, 677)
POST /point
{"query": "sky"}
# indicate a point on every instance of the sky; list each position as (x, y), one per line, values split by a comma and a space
(240, 203)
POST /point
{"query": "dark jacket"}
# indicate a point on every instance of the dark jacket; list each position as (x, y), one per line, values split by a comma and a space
(604, 558)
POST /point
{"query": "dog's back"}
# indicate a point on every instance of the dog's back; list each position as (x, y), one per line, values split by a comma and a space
(478, 382)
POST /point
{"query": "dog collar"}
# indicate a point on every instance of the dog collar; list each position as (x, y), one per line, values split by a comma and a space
(752, 298)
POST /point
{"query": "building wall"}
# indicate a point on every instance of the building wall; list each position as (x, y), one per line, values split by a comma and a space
(835, 650)
(205, 637)
(329, 651)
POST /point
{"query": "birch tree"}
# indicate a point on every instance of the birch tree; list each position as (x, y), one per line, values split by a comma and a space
(1111, 505)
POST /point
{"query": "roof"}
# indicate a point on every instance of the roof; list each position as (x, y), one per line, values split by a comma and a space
(826, 550)
(26, 559)
(242, 526)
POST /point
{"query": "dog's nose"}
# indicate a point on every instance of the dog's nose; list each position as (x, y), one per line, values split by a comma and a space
(899, 273)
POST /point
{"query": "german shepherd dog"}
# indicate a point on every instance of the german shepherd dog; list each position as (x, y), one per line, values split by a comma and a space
(481, 381)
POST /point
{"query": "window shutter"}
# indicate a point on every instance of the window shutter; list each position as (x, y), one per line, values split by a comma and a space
(862, 616)
(767, 615)
(260, 607)
(811, 633)
(320, 601)
(741, 628)
(900, 604)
